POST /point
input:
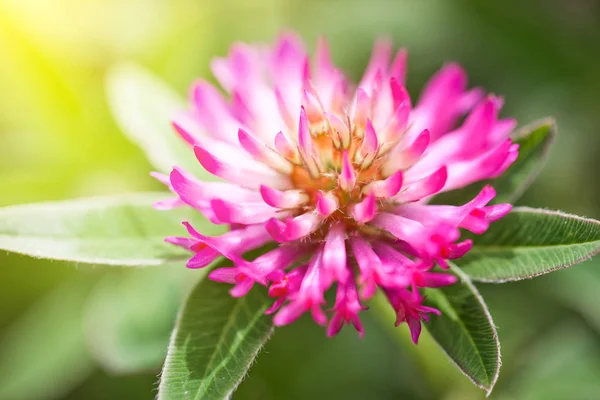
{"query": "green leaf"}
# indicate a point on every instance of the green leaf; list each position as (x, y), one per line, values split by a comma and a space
(530, 242)
(119, 230)
(465, 331)
(43, 355)
(534, 142)
(131, 314)
(144, 106)
(215, 340)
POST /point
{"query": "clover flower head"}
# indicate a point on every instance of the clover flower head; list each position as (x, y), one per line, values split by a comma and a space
(339, 176)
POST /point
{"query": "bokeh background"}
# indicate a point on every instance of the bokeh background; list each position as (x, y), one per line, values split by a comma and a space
(58, 140)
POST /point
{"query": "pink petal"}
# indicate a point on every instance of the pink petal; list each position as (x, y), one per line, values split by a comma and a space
(305, 142)
(341, 132)
(440, 104)
(262, 267)
(379, 61)
(479, 220)
(231, 244)
(386, 188)
(433, 279)
(400, 95)
(293, 228)
(168, 204)
(241, 65)
(202, 258)
(329, 82)
(327, 203)
(335, 325)
(405, 229)
(485, 166)
(368, 149)
(313, 108)
(422, 188)
(460, 249)
(497, 211)
(241, 213)
(198, 194)
(391, 255)
(260, 152)
(309, 296)
(368, 264)
(242, 177)
(241, 288)
(283, 109)
(398, 67)
(225, 275)
(235, 276)
(446, 82)
(415, 328)
(347, 178)
(479, 124)
(288, 62)
(402, 158)
(162, 178)
(213, 112)
(366, 210)
(334, 252)
(347, 306)
(239, 108)
(306, 145)
(186, 243)
(362, 110)
(325, 67)
(397, 125)
(283, 199)
(502, 129)
(469, 99)
(284, 148)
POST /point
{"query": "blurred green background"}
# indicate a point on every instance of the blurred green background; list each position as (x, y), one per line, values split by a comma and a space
(58, 141)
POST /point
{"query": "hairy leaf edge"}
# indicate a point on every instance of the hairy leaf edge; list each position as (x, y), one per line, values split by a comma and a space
(488, 389)
(558, 267)
(228, 395)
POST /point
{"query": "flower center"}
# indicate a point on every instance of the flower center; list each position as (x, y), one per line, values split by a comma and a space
(337, 177)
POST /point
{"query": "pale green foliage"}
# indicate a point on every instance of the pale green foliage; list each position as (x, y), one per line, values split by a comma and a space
(117, 230)
(144, 107)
